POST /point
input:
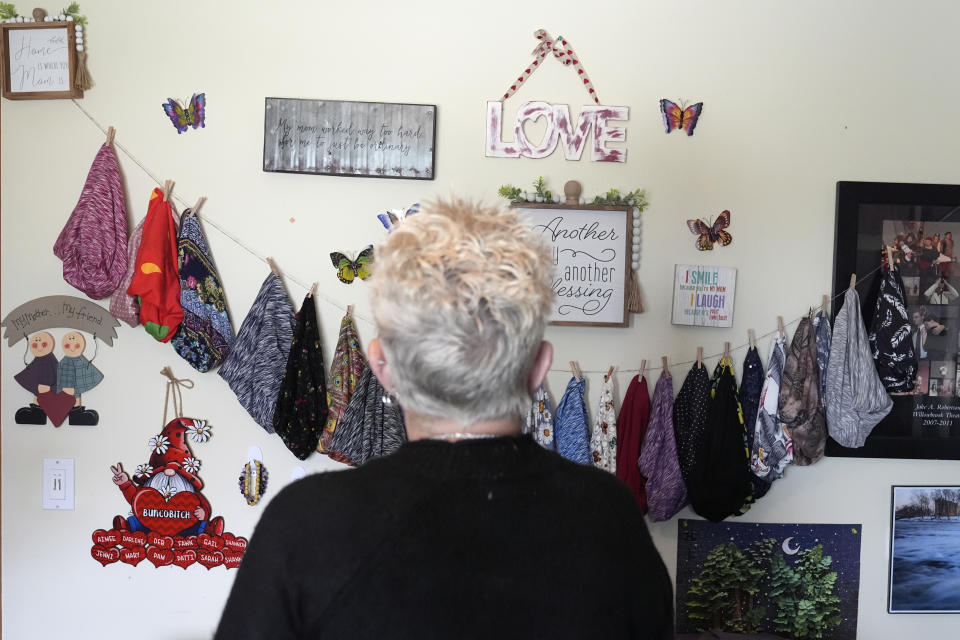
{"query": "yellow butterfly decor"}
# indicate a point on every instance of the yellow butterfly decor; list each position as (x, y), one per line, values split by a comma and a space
(348, 270)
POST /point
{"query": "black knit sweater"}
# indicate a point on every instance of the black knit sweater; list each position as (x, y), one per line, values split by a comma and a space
(494, 538)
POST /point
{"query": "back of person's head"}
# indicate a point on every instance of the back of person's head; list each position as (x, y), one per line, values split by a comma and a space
(461, 294)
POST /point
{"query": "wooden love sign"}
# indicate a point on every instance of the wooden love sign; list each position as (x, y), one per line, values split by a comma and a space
(560, 130)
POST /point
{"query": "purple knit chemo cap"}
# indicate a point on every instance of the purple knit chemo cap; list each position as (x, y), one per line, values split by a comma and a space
(93, 243)
(124, 306)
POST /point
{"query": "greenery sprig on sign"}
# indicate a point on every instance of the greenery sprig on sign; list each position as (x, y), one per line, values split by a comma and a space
(613, 198)
(73, 10)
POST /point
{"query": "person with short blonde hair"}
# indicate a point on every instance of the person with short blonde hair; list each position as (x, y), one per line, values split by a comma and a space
(470, 529)
(461, 295)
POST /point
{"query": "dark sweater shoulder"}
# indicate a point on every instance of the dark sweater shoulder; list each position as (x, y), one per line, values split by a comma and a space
(387, 486)
(435, 536)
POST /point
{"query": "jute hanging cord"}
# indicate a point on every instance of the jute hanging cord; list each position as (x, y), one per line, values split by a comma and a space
(634, 302)
(175, 388)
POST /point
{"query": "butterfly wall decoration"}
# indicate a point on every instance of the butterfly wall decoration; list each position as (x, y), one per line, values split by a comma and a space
(710, 234)
(348, 270)
(184, 117)
(392, 218)
(679, 117)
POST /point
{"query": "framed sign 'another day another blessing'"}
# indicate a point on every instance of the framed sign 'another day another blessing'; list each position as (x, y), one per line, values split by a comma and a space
(591, 253)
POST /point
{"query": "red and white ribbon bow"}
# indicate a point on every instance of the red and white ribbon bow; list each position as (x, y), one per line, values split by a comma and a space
(562, 51)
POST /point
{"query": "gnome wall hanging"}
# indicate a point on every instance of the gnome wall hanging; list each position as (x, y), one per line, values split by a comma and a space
(170, 521)
(58, 384)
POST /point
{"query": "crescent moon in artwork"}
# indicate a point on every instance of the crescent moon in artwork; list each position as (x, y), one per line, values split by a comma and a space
(787, 549)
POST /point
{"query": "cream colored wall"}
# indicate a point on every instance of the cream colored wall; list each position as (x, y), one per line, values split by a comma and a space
(797, 96)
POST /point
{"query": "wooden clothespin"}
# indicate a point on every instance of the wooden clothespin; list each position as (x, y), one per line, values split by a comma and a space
(575, 370)
(110, 133)
(609, 372)
(699, 356)
(780, 327)
(167, 189)
(643, 367)
(349, 309)
(752, 338)
(313, 290)
(666, 369)
(273, 266)
(196, 207)
(825, 304)
(726, 350)
(853, 281)
(890, 264)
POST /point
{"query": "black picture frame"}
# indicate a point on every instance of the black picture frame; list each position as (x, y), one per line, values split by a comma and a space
(862, 208)
(910, 571)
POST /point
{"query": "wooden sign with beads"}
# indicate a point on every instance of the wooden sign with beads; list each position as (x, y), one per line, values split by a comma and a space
(42, 57)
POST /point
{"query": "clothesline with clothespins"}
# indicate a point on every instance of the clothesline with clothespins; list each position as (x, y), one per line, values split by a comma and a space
(168, 194)
(167, 186)
(727, 349)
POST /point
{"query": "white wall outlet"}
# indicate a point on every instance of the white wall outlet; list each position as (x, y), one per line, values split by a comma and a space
(57, 487)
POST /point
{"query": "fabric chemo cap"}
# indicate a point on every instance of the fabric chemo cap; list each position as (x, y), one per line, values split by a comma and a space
(372, 425)
(155, 281)
(890, 332)
(665, 488)
(93, 243)
(301, 409)
(205, 333)
(855, 398)
(255, 367)
(123, 306)
(570, 428)
(348, 364)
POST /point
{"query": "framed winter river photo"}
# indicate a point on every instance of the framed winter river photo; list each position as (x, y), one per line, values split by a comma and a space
(918, 224)
(924, 550)
(591, 251)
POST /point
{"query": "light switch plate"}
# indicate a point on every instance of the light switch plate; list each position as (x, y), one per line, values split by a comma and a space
(57, 484)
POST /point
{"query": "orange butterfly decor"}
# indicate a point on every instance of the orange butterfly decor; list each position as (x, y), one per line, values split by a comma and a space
(709, 234)
(680, 117)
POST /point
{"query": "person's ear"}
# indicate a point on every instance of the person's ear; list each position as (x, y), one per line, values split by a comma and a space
(379, 365)
(541, 365)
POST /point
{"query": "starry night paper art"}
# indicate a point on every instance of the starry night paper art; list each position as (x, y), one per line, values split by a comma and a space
(790, 580)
